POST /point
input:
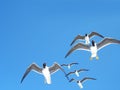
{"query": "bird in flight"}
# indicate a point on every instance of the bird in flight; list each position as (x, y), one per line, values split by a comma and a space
(45, 71)
(94, 48)
(86, 37)
(76, 72)
(80, 82)
(69, 65)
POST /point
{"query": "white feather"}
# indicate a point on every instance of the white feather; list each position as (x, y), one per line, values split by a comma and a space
(80, 84)
(46, 74)
(87, 40)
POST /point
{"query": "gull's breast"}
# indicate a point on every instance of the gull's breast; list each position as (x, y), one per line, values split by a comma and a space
(47, 75)
(80, 85)
(93, 51)
(77, 74)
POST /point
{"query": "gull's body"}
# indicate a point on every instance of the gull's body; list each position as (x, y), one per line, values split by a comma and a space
(86, 37)
(69, 65)
(76, 72)
(94, 48)
(80, 82)
(46, 75)
(45, 71)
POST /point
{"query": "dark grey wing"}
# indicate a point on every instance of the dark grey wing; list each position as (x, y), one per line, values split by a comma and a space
(73, 63)
(34, 67)
(79, 46)
(76, 38)
(64, 65)
(95, 33)
(106, 42)
(71, 80)
(55, 68)
(83, 70)
(70, 73)
(87, 78)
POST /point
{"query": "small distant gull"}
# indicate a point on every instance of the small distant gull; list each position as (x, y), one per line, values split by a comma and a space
(94, 48)
(86, 37)
(69, 65)
(45, 71)
(80, 82)
(77, 72)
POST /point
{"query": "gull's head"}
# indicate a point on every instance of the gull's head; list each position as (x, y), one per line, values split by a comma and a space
(44, 65)
(78, 81)
(86, 35)
(93, 43)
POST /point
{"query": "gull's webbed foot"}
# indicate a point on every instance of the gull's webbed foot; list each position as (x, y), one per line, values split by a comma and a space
(97, 58)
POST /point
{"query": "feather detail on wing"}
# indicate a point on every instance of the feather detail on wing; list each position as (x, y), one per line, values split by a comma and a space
(34, 67)
(73, 63)
(79, 46)
(70, 73)
(106, 42)
(55, 68)
(76, 38)
(95, 33)
(64, 65)
(82, 70)
(87, 78)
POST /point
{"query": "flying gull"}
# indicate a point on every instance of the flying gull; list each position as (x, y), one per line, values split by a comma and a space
(86, 37)
(69, 65)
(94, 48)
(80, 82)
(45, 71)
(77, 72)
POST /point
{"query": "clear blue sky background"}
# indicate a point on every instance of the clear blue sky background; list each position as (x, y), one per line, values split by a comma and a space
(41, 31)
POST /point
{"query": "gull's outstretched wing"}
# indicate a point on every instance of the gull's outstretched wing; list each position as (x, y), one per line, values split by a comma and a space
(64, 65)
(79, 46)
(95, 33)
(71, 80)
(34, 67)
(74, 63)
(76, 38)
(55, 67)
(106, 42)
(83, 70)
(87, 78)
(70, 73)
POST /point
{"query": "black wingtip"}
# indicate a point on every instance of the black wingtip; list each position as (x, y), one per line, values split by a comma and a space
(71, 80)
(71, 44)
(21, 81)
(65, 56)
(87, 70)
(67, 77)
(77, 63)
(102, 36)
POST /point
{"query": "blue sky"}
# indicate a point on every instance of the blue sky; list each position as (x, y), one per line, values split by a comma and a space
(41, 31)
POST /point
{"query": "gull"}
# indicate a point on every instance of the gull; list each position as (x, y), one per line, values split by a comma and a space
(77, 72)
(80, 82)
(69, 65)
(86, 37)
(45, 71)
(94, 48)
